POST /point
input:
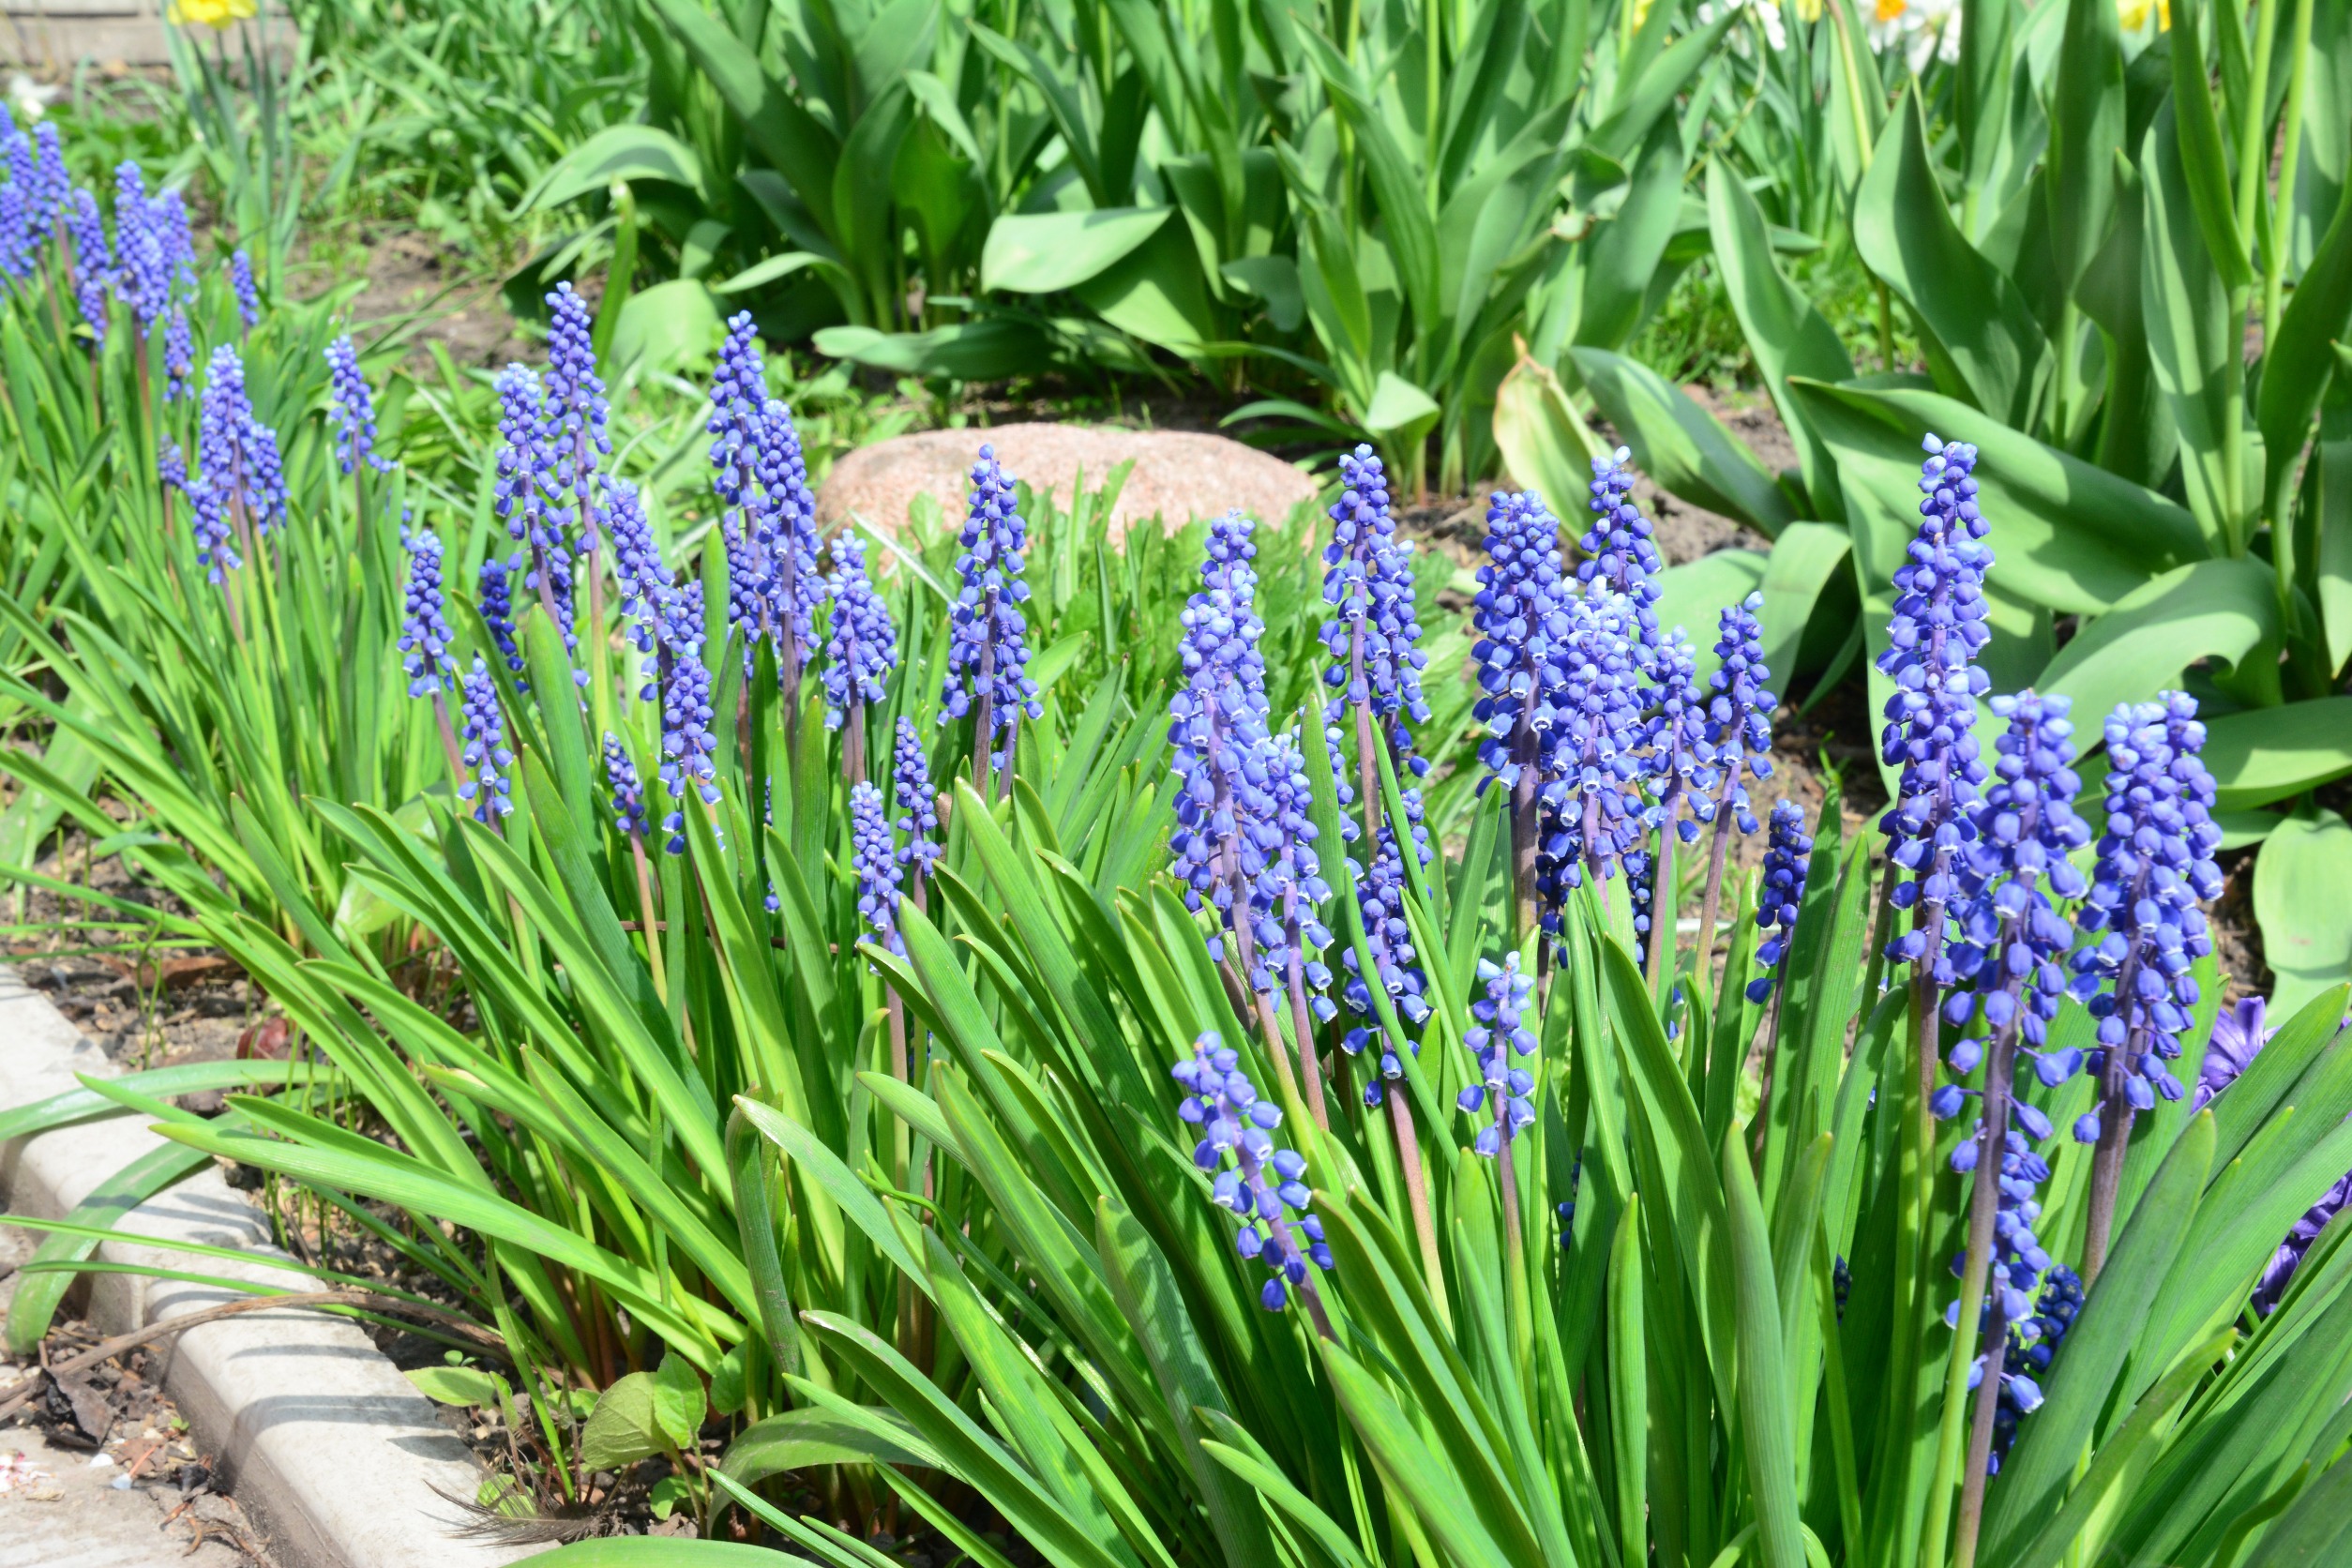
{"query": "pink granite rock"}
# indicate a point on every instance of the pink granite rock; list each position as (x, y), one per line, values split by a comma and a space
(1178, 475)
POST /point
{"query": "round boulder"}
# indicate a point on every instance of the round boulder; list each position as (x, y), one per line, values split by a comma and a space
(1177, 475)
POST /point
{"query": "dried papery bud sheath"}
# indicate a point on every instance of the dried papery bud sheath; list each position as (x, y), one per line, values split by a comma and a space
(989, 649)
(2154, 865)
(1260, 1184)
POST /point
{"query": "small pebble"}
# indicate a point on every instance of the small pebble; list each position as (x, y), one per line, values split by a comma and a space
(120, 1484)
(101, 1461)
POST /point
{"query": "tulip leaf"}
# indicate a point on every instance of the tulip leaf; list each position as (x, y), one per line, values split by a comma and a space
(2301, 873)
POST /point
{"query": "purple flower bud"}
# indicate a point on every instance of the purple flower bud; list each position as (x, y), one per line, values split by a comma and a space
(861, 644)
(425, 637)
(1788, 861)
(483, 729)
(1620, 554)
(628, 795)
(918, 807)
(1499, 1039)
(241, 284)
(1265, 1186)
(494, 595)
(352, 409)
(988, 647)
(93, 262)
(874, 858)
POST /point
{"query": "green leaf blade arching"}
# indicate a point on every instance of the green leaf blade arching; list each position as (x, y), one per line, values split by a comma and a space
(2220, 610)
(1042, 252)
(1681, 445)
(2301, 876)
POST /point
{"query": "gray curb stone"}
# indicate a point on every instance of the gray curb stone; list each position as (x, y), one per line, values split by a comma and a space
(329, 1447)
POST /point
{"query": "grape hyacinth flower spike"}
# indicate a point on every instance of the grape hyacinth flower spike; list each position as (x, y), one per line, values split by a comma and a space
(1680, 775)
(484, 731)
(1618, 550)
(1739, 734)
(1215, 718)
(1499, 1039)
(860, 650)
(1375, 665)
(874, 859)
(495, 595)
(523, 495)
(687, 746)
(2237, 1039)
(988, 650)
(1788, 862)
(2155, 863)
(93, 264)
(1592, 811)
(918, 809)
(425, 635)
(2010, 948)
(237, 453)
(1264, 1186)
(628, 794)
(1521, 616)
(352, 410)
(241, 283)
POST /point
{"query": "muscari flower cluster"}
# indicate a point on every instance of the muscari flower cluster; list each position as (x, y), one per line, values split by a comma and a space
(687, 746)
(2026, 1358)
(874, 859)
(1499, 1039)
(240, 474)
(495, 595)
(988, 650)
(523, 494)
(34, 196)
(249, 297)
(1788, 861)
(1594, 814)
(1938, 628)
(352, 410)
(861, 644)
(628, 792)
(425, 635)
(1265, 1185)
(1618, 551)
(2155, 862)
(483, 729)
(918, 809)
(1740, 708)
(93, 262)
(762, 477)
(575, 414)
(1519, 615)
(2239, 1036)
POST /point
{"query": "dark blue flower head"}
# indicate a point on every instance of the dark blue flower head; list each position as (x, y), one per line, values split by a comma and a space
(2155, 862)
(424, 638)
(352, 409)
(2237, 1039)
(145, 269)
(523, 489)
(170, 466)
(1395, 961)
(875, 859)
(687, 747)
(1265, 1185)
(988, 650)
(1788, 861)
(1618, 548)
(1368, 582)
(1218, 717)
(636, 561)
(861, 644)
(2011, 942)
(574, 410)
(238, 453)
(1499, 1039)
(918, 807)
(628, 794)
(1939, 628)
(179, 355)
(1282, 871)
(1739, 712)
(739, 391)
(2280, 1272)
(1521, 616)
(786, 523)
(93, 262)
(494, 595)
(2032, 1345)
(2018, 1260)
(483, 729)
(747, 602)
(241, 284)
(1681, 756)
(1593, 810)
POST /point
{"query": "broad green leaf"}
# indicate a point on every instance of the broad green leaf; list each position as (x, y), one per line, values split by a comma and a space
(627, 1425)
(1544, 445)
(1043, 252)
(1786, 334)
(1156, 293)
(2302, 873)
(2260, 755)
(621, 151)
(1398, 408)
(679, 1404)
(1767, 1425)
(669, 326)
(37, 1294)
(2192, 338)
(2064, 534)
(804, 1439)
(2316, 1529)
(1681, 445)
(1981, 339)
(1805, 560)
(2220, 610)
(989, 349)
(2297, 367)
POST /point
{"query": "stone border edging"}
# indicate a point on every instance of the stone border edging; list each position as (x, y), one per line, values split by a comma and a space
(332, 1451)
